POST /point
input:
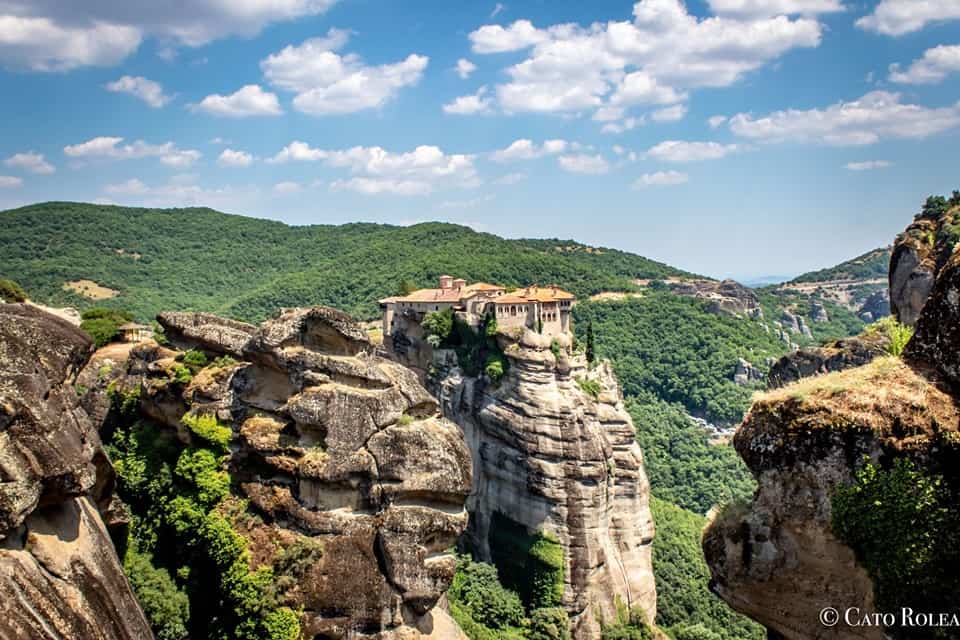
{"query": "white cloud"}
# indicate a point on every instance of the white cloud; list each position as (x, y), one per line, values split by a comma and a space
(147, 90)
(130, 187)
(469, 104)
(465, 68)
(377, 170)
(899, 17)
(682, 151)
(935, 65)
(627, 124)
(716, 121)
(180, 190)
(670, 114)
(108, 147)
(286, 188)
(654, 59)
(30, 161)
(9, 182)
(868, 165)
(525, 149)
(234, 158)
(250, 100)
(511, 178)
(327, 83)
(53, 35)
(661, 179)
(768, 8)
(583, 163)
(876, 116)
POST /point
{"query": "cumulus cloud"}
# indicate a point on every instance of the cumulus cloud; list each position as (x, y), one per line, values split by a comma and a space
(682, 151)
(627, 124)
(250, 100)
(181, 190)
(935, 65)
(584, 163)
(525, 149)
(876, 116)
(109, 147)
(9, 182)
(30, 161)
(53, 35)
(465, 68)
(868, 165)
(655, 59)
(234, 158)
(328, 83)
(472, 104)
(139, 87)
(716, 121)
(899, 17)
(376, 170)
(768, 8)
(661, 179)
(670, 114)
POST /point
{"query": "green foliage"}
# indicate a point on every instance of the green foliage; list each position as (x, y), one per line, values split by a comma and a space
(933, 208)
(843, 322)
(477, 590)
(899, 334)
(406, 287)
(903, 524)
(202, 469)
(555, 348)
(181, 374)
(438, 323)
(125, 401)
(194, 360)
(591, 351)
(590, 387)
(494, 367)
(251, 267)
(10, 291)
(167, 607)
(223, 362)
(682, 465)
(529, 563)
(103, 325)
(669, 345)
(871, 265)
(551, 623)
(696, 632)
(631, 624)
(208, 428)
(684, 599)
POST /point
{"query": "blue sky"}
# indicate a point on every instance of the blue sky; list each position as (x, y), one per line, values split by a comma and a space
(729, 137)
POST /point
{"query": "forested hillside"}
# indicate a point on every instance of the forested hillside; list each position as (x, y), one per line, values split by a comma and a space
(147, 260)
(872, 264)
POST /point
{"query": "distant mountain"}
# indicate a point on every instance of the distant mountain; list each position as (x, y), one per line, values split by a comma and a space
(147, 260)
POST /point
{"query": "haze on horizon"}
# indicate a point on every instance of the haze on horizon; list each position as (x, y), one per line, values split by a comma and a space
(726, 137)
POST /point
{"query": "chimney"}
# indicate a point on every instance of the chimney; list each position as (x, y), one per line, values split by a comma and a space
(459, 283)
(446, 282)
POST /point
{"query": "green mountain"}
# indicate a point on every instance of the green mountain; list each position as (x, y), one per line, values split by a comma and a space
(869, 266)
(148, 260)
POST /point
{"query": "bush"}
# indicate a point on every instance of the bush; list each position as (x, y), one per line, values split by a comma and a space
(549, 624)
(476, 587)
(166, 607)
(208, 428)
(899, 334)
(194, 359)
(10, 291)
(181, 374)
(696, 632)
(494, 367)
(630, 625)
(590, 387)
(438, 323)
(103, 325)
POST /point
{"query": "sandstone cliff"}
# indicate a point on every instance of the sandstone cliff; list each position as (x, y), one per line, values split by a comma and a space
(329, 444)
(554, 452)
(780, 558)
(59, 572)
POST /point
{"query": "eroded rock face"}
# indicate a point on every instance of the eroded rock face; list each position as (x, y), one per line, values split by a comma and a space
(937, 335)
(59, 572)
(335, 445)
(834, 356)
(723, 298)
(555, 459)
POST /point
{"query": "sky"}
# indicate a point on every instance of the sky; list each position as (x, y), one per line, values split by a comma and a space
(737, 138)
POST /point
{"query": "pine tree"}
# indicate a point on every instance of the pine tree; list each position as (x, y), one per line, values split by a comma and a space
(591, 353)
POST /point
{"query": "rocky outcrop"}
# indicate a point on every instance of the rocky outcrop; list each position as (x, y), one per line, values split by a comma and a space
(918, 255)
(59, 572)
(875, 307)
(745, 373)
(795, 324)
(723, 298)
(554, 452)
(833, 356)
(936, 338)
(333, 445)
(818, 313)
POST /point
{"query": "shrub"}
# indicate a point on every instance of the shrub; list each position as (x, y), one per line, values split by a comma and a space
(181, 374)
(549, 624)
(899, 334)
(166, 607)
(555, 348)
(590, 387)
(194, 359)
(630, 625)
(103, 325)
(494, 367)
(224, 361)
(208, 428)
(438, 323)
(696, 632)
(10, 291)
(476, 587)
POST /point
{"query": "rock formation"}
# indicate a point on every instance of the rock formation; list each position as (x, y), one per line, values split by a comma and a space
(331, 444)
(833, 356)
(778, 559)
(875, 307)
(918, 255)
(554, 452)
(745, 372)
(59, 572)
(723, 298)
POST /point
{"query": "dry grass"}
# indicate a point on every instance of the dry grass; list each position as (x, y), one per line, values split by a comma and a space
(886, 395)
(90, 289)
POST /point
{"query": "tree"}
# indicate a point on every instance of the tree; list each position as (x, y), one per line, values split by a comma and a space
(955, 199)
(551, 623)
(934, 207)
(10, 291)
(591, 347)
(438, 323)
(103, 325)
(406, 287)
